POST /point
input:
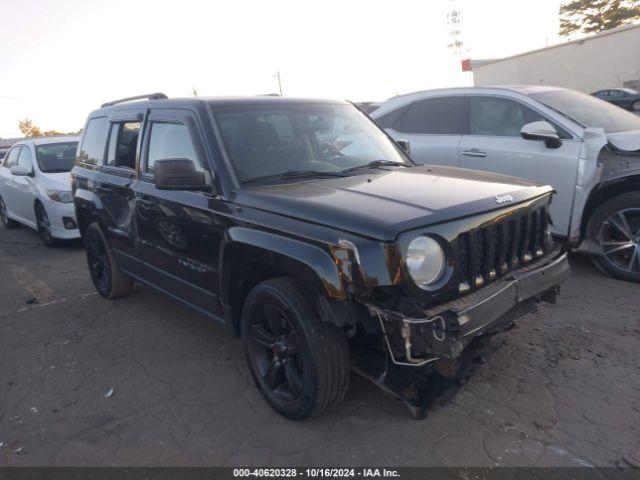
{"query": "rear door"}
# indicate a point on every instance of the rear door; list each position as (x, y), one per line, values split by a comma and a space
(117, 193)
(492, 142)
(433, 127)
(178, 232)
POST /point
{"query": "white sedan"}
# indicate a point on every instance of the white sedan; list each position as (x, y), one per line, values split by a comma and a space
(35, 187)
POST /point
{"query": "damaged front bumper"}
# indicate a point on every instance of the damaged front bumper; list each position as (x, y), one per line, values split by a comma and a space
(447, 329)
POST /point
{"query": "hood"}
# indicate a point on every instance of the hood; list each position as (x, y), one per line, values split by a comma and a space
(383, 203)
(628, 141)
(56, 181)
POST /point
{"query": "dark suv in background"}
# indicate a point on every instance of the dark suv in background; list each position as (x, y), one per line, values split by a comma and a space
(306, 228)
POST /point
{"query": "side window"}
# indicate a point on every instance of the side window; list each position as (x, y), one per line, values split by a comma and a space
(123, 144)
(12, 157)
(435, 116)
(94, 141)
(171, 140)
(499, 117)
(25, 159)
(392, 119)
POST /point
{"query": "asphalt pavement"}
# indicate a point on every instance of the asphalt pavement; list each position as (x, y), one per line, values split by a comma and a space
(145, 381)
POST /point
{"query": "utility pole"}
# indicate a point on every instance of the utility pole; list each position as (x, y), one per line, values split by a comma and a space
(277, 75)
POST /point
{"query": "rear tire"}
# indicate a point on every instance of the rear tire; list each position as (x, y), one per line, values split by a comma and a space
(635, 106)
(4, 216)
(615, 227)
(106, 274)
(300, 364)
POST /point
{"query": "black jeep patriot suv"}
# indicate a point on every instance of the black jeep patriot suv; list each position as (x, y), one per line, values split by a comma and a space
(306, 228)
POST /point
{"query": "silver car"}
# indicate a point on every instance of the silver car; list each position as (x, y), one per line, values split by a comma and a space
(588, 149)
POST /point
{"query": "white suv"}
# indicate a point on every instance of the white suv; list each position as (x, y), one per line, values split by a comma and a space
(35, 187)
(588, 149)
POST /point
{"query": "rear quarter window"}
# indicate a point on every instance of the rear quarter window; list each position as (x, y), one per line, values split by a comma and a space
(434, 116)
(94, 141)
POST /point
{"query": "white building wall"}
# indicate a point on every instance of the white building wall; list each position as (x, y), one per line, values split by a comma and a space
(605, 60)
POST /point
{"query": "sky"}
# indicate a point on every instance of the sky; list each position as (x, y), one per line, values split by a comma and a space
(60, 59)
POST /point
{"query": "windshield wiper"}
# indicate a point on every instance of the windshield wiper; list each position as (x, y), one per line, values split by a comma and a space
(294, 174)
(377, 164)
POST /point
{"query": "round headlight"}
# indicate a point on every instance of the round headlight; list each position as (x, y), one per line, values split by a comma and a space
(425, 260)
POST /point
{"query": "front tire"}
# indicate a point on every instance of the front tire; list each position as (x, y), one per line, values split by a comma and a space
(635, 106)
(106, 274)
(615, 228)
(4, 216)
(44, 227)
(300, 364)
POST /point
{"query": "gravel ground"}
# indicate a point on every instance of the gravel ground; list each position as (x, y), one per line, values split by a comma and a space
(145, 381)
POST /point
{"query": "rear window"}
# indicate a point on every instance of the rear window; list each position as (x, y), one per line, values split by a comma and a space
(434, 116)
(94, 141)
(589, 111)
(56, 157)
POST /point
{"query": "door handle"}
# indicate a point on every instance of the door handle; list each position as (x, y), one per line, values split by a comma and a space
(474, 152)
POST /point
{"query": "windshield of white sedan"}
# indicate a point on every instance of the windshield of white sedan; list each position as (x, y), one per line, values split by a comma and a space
(589, 111)
(56, 157)
(294, 141)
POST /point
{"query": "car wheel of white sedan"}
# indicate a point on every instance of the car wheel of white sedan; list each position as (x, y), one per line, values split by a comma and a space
(44, 227)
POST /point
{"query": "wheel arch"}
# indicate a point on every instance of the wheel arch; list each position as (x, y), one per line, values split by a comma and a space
(605, 191)
(249, 256)
(87, 205)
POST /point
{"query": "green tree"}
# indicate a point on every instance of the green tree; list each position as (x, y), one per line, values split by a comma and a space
(28, 129)
(592, 16)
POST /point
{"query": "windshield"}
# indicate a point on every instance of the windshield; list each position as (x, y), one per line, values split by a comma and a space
(56, 157)
(271, 140)
(589, 111)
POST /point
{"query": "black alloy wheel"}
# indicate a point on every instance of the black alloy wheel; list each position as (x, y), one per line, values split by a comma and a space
(98, 262)
(275, 352)
(107, 277)
(300, 364)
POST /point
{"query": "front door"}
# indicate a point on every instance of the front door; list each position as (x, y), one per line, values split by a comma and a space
(492, 143)
(178, 232)
(23, 188)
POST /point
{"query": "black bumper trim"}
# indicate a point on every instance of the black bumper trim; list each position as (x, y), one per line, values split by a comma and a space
(446, 330)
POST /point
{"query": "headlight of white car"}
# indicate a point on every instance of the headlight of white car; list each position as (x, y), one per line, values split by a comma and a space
(425, 260)
(60, 196)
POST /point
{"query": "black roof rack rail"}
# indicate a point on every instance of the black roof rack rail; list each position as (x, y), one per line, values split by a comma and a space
(150, 96)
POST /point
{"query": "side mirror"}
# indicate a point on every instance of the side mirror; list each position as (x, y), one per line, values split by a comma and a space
(541, 131)
(404, 145)
(178, 174)
(21, 171)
